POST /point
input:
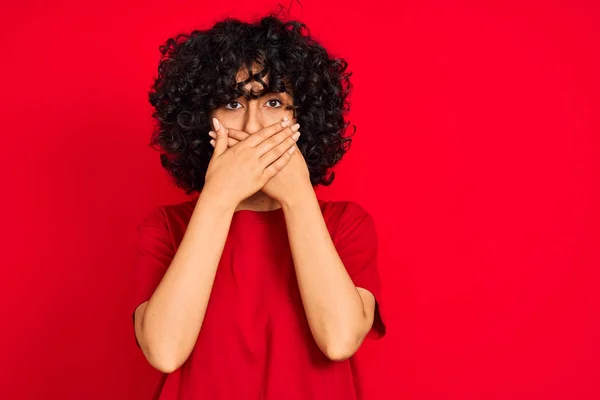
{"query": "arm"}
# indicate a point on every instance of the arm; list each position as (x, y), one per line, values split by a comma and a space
(167, 326)
(339, 314)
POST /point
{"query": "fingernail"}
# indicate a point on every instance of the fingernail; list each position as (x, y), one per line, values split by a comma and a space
(296, 135)
(216, 123)
(212, 134)
(212, 142)
(285, 123)
(295, 127)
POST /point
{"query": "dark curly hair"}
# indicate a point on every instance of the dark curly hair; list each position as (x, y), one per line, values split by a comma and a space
(197, 74)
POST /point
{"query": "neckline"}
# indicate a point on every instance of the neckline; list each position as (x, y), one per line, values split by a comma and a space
(268, 216)
(263, 217)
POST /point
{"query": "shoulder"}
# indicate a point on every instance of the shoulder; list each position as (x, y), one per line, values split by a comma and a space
(344, 215)
(343, 210)
(154, 217)
(165, 223)
(168, 215)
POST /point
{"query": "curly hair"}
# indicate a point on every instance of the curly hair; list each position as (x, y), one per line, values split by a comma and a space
(197, 74)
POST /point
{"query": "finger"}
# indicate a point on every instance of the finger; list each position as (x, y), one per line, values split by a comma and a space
(275, 140)
(237, 134)
(221, 140)
(279, 150)
(230, 142)
(279, 164)
(266, 133)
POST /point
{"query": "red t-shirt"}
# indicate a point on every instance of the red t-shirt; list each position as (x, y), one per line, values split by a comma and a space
(255, 342)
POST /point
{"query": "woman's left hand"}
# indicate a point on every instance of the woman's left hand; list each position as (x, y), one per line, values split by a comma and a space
(289, 182)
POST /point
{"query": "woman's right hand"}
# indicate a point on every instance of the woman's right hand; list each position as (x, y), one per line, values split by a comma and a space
(238, 172)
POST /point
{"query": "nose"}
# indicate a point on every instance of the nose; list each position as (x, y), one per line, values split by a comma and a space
(253, 118)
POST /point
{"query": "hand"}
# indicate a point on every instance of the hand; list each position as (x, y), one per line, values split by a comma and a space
(241, 170)
(286, 183)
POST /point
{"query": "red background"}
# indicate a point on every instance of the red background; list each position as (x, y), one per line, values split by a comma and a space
(476, 152)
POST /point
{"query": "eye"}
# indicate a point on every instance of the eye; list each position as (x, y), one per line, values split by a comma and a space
(233, 102)
(272, 100)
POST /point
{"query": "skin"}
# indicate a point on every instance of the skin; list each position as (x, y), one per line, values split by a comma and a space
(250, 117)
(250, 137)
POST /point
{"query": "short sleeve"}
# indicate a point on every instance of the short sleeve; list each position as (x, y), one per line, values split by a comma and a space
(154, 253)
(357, 245)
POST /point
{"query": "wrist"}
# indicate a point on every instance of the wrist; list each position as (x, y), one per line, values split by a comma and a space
(217, 199)
(301, 197)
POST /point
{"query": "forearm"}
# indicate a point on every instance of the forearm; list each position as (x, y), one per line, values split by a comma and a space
(332, 303)
(173, 316)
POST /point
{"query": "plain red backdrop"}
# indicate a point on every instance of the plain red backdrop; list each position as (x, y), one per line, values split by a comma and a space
(476, 152)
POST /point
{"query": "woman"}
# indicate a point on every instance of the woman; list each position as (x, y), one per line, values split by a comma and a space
(255, 289)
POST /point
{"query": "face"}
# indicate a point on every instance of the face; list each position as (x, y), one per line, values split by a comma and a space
(254, 114)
